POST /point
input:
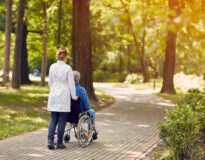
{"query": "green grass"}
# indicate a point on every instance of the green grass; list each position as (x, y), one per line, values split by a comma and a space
(26, 109)
(140, 86)
(23, 110)
(101, 95)
(175, 98)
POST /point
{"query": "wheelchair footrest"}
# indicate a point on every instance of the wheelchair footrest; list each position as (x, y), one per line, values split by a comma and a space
(95, 135)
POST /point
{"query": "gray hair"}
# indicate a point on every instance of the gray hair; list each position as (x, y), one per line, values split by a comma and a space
(76, 75)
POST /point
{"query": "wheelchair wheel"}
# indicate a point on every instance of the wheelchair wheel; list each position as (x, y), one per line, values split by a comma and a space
(66, 138)
(85, 131)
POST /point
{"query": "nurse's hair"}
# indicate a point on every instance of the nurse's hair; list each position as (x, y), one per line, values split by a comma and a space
(61, 54)
(76, 75)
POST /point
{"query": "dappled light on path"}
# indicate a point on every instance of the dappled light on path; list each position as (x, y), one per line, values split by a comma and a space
(130, 122)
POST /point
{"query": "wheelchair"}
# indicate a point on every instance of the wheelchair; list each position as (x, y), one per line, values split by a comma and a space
(82, 124)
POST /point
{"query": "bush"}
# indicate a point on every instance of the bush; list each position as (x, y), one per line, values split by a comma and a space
(100, 76)
(133, 78)
(194, 91)
(197, 103)
(106, 76)
(119, 77)
(183, 128)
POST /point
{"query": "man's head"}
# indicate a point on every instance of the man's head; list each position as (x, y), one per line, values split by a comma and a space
(76, 76)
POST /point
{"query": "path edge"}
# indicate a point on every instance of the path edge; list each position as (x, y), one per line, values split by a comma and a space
(143, 149)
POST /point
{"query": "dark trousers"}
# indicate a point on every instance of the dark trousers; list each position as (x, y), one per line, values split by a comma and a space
(57, 118)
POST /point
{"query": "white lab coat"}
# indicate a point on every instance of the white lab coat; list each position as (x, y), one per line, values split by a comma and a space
(62, 87)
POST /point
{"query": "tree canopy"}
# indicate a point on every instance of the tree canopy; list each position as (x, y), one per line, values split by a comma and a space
(126, 35)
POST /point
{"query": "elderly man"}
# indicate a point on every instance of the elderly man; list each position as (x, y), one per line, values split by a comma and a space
(84, 101)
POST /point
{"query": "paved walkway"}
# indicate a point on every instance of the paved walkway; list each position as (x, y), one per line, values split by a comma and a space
(126, 130)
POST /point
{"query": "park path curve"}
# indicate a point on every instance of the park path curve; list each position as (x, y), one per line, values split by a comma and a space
(123, 128)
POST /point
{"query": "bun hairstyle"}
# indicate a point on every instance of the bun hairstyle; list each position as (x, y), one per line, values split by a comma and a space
(61, 54)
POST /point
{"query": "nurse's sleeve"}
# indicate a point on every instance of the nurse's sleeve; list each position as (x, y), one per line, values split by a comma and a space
(50, 78)
(71, 84)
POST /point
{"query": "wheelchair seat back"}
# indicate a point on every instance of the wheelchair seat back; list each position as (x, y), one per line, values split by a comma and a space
(73, 116)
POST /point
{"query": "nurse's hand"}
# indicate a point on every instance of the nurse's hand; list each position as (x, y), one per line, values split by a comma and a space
(76, 98)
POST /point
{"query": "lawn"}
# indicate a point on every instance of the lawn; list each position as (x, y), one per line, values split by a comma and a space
(23, 110)
(141, 86)
(101, 95)
(175, 98)
(26, 109)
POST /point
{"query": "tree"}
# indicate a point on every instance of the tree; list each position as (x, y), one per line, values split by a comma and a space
(44, 57)
(81, 44)
(7, 42)
(125, 7)
(18, 46)
(24, 70)
(170, 58)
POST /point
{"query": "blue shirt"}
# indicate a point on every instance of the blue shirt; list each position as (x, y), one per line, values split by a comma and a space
(82, 94)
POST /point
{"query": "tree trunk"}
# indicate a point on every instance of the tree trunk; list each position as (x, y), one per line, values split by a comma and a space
(169, 64)
(121, 68)
(170, 58)
(44, 58)
(7, 42)
(128, 58)
(59, 23)
(146, 78)
(128, 54)
(18, 46)
(24, 70)
(81, 45)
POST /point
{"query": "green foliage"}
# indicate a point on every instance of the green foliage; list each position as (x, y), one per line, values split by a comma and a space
(2, 14)
(106, 76)
(194, 91)
(100, 76)
(1, 48)
(183, 128)
(133, 78)
(110, 33)
(181, 132)
(190, 46)
(34, 19)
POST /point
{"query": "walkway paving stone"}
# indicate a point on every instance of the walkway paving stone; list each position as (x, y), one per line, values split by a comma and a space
(123, 128)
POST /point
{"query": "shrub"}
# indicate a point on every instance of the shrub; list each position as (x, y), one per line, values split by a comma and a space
(197, 103)
(133, 78)
(194, 91)
(181, 132)
(117, 77)
(100, 76)
(183, 128)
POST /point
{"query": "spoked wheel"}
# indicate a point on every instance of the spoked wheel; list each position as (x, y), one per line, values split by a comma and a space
(85, 131)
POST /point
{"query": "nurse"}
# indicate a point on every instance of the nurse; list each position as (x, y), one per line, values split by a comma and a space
(62, 87)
